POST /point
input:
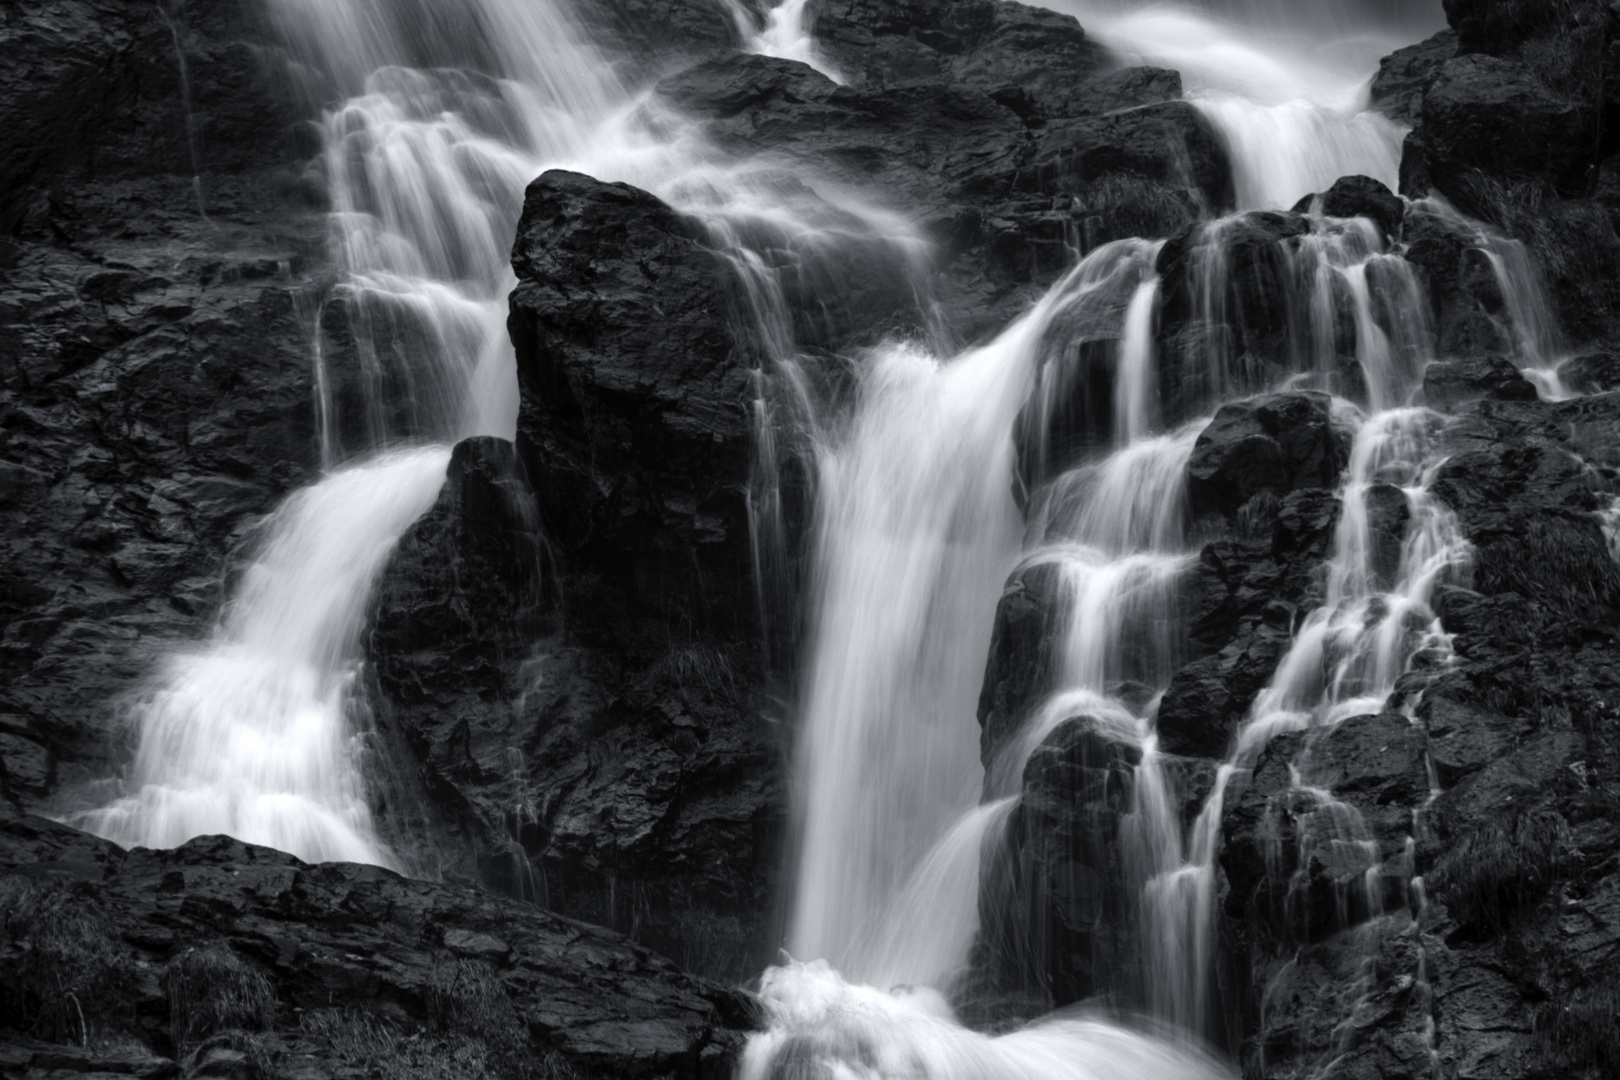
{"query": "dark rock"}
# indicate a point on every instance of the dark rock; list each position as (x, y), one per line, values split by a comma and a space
(1242, 603)
(1595, 373)
(1039, 62)
(660, 32)
(635, 433)
(585, 710)
(1228, 336)
(1360, 196)
(1209, 698)
(920, 144)
(1280, 443)
(1449, 383)
(1018, 674)
(1170, 144)
(1059, 883)
(1003, 204)
(1404, 76)
(1495, 116)
(344, 949)
(155, 384)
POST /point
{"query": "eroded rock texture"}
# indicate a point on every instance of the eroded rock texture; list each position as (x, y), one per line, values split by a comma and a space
(160, 266)
(221, 959)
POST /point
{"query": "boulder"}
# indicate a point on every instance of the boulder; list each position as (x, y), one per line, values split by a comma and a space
(635, 432)
(1494, 116)
(323, 968)
(1359, 196)
(1019, 671)
(1060, 880)
(1277, 444)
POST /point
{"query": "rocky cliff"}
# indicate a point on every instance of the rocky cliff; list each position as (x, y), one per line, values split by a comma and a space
(576, 672)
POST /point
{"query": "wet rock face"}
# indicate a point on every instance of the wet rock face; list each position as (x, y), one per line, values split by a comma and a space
(1020, 669)
(635, 431)
(1484, 112)
(998, 127)
(1243, 600)
(567, 643)
(1055, 912)
(155, 389)
(1223, 327)
(1265, 446)
(1512, 131)
(219, 948)
(1404, 75)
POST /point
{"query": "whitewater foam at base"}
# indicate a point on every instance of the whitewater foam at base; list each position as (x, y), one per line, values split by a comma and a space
(251, 736)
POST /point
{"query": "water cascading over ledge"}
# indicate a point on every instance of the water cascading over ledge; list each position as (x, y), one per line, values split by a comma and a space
(1222, 743)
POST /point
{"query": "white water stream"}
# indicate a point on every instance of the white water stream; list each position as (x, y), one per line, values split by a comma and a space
(445, 114)
(915, 530)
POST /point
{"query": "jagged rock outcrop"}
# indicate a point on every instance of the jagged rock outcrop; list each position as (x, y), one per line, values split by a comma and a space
(1005, 133)
(1265, 448)
(635, 431)
(155, 387)
(223, 959)
(569, 641)
(1515, 131)
(1403, 76)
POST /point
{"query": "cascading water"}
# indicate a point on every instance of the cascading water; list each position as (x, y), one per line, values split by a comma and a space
(425, 169)
(874, 762)
(1285, 84)
(445, 116)
(916, 522)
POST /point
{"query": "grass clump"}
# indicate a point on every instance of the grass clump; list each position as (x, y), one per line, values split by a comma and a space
(1579, 1036)
(1502, 867)
(212, 990)
(695, 667)
(467, 1001)
(65, 973)
(473, 1033)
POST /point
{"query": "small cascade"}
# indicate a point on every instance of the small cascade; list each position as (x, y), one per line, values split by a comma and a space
(816, 1020)
(1294, 116)
(1373, 625)
(192, 153)
(786, 35)
(1521, 306)
(444, 115)
(251, 735)
(1351, 313)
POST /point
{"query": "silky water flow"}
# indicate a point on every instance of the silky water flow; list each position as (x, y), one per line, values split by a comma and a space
(447, 112)
(917, 529)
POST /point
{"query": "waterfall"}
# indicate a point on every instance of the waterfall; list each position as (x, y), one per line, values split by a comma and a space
(444, 114)
(912, 538)
(1284, 84)
(923, 507)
